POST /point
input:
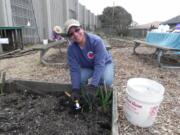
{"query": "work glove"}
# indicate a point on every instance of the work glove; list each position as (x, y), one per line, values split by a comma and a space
(76, 107)
(75, 94)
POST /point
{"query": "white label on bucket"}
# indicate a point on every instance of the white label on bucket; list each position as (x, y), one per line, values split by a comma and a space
(133, 106)
(139, 113)
(153, 111)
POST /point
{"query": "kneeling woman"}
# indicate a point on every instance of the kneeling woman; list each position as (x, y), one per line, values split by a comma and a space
(87, 58)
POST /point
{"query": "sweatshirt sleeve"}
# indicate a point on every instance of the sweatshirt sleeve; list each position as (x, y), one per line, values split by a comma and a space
(99, 63)
(74, 69)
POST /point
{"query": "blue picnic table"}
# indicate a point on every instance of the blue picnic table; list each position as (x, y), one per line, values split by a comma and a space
(165, 43)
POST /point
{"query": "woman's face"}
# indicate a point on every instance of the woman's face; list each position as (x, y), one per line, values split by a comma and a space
(76, 34)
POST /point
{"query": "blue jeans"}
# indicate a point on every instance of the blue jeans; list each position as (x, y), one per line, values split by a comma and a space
(107, 77)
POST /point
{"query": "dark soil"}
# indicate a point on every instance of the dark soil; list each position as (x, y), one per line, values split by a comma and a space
(24, 113)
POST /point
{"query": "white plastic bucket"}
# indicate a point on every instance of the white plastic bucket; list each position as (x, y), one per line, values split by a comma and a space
(142, 100)
(45, 41)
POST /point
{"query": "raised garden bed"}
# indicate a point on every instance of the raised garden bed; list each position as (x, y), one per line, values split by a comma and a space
(31, 107)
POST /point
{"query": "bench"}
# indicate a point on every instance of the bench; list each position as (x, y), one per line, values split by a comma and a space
(160, 51)
(14, 35)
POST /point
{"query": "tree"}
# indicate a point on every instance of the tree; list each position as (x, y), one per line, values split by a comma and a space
(134, 24)
(117, 18)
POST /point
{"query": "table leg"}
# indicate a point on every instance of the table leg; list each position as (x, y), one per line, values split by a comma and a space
(21, 38)
(1, 50)
(159, 55)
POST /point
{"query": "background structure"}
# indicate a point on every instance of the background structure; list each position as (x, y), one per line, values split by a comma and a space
(42, 15)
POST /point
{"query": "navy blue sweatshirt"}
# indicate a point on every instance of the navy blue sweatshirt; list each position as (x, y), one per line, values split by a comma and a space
(93, 56)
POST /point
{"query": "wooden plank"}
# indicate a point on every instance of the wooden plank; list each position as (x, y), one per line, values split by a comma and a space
(2, 81)
(9, 53)
(115, 130)
(1, 49)
(9, 86)
(42, 87)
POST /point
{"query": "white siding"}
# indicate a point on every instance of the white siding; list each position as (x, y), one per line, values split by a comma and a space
(5, 13)
(41, 17)
(2, 20)
(81, 14)
(44, 15)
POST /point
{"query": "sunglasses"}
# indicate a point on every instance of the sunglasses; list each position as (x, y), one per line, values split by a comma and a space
(70, 34)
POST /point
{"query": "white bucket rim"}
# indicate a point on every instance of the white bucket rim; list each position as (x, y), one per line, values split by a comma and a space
(145, 101)
(145, 98)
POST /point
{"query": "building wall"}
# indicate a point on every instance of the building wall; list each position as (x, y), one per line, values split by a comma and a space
(81, 14)
(87, 19)
(137, 33)
(98, 22)
(92, 21)
(5, 13)
(22, 13)
(73, 5)
(56, 14)
(43, 15)
(84, 17)
(2, 5)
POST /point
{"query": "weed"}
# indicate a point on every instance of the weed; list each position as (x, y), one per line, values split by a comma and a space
(88, 102)
(105, 98)
(102, 99)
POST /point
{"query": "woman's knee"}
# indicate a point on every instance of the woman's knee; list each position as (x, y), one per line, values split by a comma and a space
(109, 74)
(108, 81)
